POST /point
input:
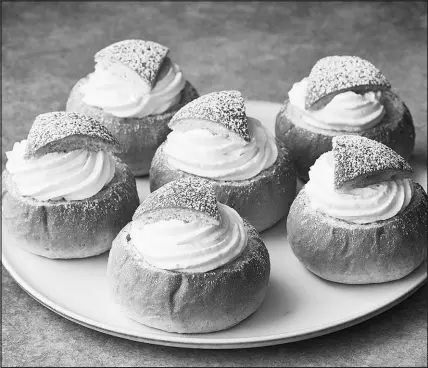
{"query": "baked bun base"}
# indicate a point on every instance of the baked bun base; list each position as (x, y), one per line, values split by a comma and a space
(138, 137)
(351, 253)
(262, 200)
(69, 229)
(188, 302)
(306, 144)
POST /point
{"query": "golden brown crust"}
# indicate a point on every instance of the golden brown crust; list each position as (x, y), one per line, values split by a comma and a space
(188, 302)
(138, 137)
(396, 130)
(351, 253)
(263, 200)
(70, 229)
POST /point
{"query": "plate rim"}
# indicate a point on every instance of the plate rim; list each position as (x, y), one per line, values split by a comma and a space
(189, 341)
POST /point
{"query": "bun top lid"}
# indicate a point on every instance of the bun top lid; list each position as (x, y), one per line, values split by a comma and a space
(62, 131)
(359, 162)
(186, 199)
(144, 57)
(216, 111)
(336, 74)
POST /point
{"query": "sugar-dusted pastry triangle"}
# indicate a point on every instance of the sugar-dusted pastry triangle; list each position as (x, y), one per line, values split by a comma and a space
(359, 162)
(62, 131)
(216, 111)
(336, 74)
(185, 199)
(144, 57)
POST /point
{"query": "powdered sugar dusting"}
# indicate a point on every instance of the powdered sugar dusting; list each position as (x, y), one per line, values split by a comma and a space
(225, 108)
(54, 126)
(356, 156)
(336, 73)
(144, 57)
(190, 193)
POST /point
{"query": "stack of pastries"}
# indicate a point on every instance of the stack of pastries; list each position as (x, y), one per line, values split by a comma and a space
(189, 258)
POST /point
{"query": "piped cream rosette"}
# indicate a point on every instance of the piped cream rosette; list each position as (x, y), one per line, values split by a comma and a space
(74, 175)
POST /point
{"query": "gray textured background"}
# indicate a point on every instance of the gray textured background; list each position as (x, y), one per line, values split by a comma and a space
(258, 48)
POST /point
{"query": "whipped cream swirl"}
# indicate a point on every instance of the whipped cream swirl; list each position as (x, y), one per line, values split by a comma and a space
(120, 91)
(74, 175)
(216, 156)
(375, 202)
(347, 111)
(192, 246)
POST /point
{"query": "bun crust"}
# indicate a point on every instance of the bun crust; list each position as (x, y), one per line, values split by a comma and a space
(188, 302)
(351, 253)
(138, 137)
(262, 200)
(70, 229)
(396, 130)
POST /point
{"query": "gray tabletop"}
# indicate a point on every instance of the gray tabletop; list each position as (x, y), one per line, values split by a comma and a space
(260, 49)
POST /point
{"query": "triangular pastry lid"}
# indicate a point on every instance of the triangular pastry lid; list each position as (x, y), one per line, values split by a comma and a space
(359, 162)
(222, 111)
(184, 199)
(144, 57)
(336, 74)
(62, 131)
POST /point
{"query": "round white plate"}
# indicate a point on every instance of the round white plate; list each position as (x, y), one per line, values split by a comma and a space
(298, 305)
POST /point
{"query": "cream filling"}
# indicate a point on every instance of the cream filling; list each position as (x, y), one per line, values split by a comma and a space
(347, 111)
(191, 247)
(74, 175)
(204, 153)
(120, 91)
(375, 202)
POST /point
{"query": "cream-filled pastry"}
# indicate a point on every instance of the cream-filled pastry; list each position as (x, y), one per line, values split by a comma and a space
(342, 95)
(134, 91)
(187, 263)
(360, 218)
(65, 193)
(212, 137)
